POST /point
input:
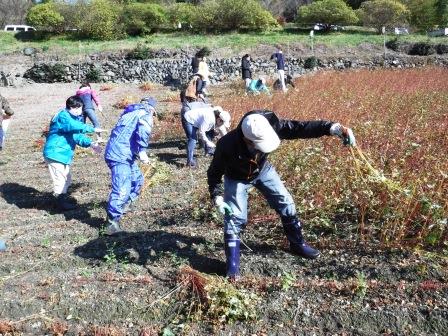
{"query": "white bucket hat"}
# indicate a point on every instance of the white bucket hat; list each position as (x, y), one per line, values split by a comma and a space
(223, 115)
(257, 129)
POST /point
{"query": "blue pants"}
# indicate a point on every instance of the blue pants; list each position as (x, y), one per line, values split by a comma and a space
(90, 113)
(272, 188)
(192, 134)
(127, 181)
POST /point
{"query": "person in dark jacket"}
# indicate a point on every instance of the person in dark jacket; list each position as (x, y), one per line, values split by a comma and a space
(280, 62)
(241, 157)
(246, 71)
(6, 112)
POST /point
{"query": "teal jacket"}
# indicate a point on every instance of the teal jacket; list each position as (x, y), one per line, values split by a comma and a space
(64, 134)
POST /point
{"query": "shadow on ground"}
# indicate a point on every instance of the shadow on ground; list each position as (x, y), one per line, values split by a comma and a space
(149, 247)
(30, 198)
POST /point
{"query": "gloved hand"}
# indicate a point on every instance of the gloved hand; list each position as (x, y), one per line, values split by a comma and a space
(143, 157)
(346, 134)
(96, 148)
(99, 130)
(100, 108)
(222, 206)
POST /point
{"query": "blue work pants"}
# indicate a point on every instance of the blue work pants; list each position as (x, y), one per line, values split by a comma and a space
(268, 182)
(127, 181)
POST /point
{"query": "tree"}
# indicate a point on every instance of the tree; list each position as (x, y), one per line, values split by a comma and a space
(441, 12)
(422, 14)
(45, 17)
(99, 20)
(13, 11)
(355, 4)
(383, 13)
(142, 18)
(327, 12)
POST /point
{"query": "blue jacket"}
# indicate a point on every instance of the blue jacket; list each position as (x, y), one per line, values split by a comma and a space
(64, 134)
(130, 135)
(279, 59)
(256, 86)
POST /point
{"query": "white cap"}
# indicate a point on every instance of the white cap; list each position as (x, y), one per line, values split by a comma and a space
(223, 115)
(257, 129)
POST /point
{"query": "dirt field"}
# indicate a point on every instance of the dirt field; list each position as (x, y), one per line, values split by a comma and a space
(59, 275)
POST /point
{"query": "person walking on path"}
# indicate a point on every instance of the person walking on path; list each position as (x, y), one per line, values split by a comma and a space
(280, 62)
(199, 122)
(128, 143)
(241, 157)
(89, 99)
(246, 70)
(64, 134)
(204, 71)
(6, 113)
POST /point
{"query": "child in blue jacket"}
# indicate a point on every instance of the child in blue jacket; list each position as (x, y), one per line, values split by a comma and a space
(128, 142)
(65, 132)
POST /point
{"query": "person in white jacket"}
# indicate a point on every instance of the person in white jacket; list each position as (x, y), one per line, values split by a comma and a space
(5, 118)
(197, 122)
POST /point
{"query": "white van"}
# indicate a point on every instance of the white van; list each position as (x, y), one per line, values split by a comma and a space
(18, 28)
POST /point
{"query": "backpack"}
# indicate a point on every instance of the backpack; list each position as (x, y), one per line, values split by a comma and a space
(190, 90)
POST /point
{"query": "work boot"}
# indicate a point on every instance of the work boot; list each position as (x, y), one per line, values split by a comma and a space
(63, 203)
(232, 248)
(297, 245)
(129, 206)
(112, 228)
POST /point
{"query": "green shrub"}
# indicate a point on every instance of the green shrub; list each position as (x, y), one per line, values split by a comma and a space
(421, 49)
(140, 52)
(226, 15)
(393, 44)
(45, 17)
(182, 13)
(143, 18)
(383, 13)
(328, 12)
(101, 21)
(442, 49)
(310, 63)
(93, 75)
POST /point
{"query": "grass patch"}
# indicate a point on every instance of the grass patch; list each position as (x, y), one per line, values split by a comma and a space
(66, 45)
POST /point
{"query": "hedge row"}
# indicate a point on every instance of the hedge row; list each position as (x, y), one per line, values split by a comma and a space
(419, 48)
(108, 19)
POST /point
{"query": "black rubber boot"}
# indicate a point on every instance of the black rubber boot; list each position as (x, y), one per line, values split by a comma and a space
(232, 248)
(297, 245)
(63, 203)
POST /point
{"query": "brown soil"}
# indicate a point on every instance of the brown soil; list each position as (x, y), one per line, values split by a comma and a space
(60, 276)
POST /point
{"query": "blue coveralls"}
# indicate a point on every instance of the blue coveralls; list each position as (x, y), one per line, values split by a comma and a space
(129, 137)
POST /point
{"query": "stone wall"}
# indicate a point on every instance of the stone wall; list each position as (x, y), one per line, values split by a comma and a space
(174, 72)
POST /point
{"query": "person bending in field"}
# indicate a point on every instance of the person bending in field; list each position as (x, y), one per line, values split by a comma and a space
(258, 86)
(241, 157)
(128, 142)
(65, 132)
(288, 81)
